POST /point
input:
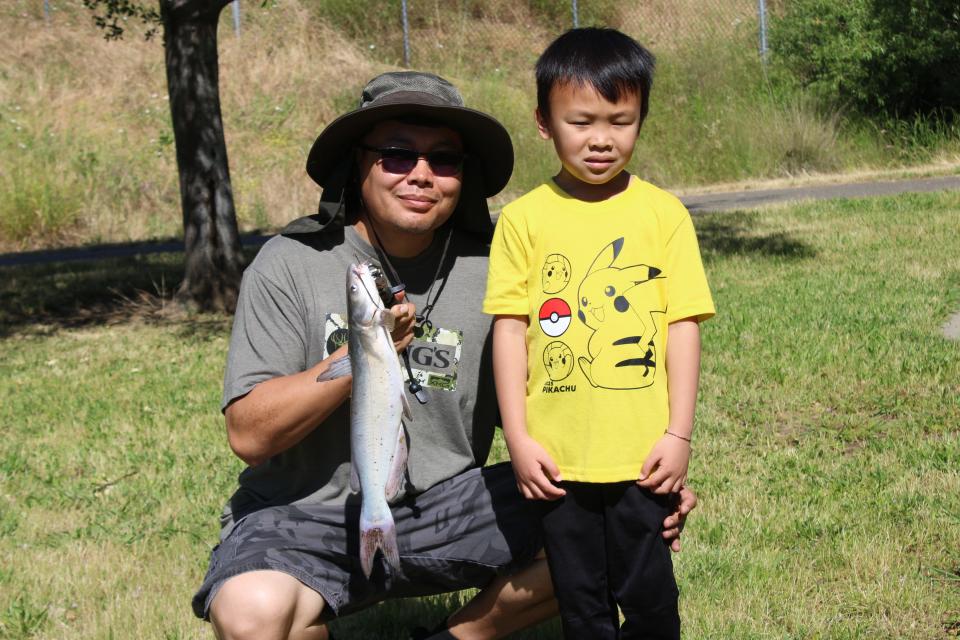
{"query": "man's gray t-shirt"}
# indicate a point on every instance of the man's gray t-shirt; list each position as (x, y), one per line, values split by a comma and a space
(292, 313)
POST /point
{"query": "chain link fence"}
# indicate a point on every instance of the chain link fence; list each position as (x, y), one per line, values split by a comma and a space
(409, 32)
(424, 27)
(501, 39)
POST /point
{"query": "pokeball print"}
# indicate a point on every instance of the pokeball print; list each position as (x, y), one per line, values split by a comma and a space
(554, 317)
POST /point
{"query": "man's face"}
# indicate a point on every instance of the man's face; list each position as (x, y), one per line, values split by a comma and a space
(417, 201)
(593, 137)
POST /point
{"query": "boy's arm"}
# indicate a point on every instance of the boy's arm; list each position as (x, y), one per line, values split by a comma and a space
(530, 461)
(669, 458)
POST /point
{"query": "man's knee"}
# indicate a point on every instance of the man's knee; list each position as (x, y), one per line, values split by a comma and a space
(265, 605)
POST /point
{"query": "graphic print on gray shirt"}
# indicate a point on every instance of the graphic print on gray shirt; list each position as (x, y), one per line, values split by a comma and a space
(293, 301)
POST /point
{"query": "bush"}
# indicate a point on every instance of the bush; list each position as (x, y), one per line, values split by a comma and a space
(880, 56)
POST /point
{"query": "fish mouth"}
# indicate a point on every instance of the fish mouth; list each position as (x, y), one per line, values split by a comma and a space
(360, 270)
(365, 267)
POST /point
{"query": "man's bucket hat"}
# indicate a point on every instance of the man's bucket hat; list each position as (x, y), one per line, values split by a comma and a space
(413, 93)
(400, 94)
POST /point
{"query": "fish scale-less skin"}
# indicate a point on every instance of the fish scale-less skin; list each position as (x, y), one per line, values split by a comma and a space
(375, 413)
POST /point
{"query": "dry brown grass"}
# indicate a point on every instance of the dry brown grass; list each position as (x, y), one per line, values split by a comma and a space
(70, 96)
(86, 145)
(667, 24)
(84, 110)
(281, 83)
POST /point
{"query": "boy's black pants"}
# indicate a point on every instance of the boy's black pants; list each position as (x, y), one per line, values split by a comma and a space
(604, 548)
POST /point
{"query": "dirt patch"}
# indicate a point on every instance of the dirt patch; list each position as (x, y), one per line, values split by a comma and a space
(951, 328)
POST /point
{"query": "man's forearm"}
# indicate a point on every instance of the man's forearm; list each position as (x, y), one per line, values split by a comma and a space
(280, 412)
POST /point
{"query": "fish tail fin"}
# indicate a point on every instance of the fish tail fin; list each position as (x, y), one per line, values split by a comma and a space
(380, 534)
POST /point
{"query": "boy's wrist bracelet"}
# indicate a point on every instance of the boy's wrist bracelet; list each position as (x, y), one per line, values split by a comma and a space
(677, 435)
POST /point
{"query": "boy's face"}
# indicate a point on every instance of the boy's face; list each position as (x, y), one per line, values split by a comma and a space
(594, 137)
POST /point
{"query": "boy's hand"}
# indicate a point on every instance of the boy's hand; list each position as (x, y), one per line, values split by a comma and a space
(534, 468)
(665, 469)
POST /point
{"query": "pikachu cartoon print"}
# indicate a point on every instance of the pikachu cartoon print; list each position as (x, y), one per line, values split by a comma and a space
(558, 360)
(623, 320)
(555, 273)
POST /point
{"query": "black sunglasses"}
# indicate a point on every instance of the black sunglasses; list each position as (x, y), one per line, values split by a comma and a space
(398, 160)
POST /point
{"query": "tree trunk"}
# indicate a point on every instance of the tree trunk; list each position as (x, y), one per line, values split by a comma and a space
(213, 257)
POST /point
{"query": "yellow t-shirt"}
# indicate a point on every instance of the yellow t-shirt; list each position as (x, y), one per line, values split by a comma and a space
(600, 282)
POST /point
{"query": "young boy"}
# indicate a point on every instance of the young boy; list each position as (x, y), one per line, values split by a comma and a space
(598, 288)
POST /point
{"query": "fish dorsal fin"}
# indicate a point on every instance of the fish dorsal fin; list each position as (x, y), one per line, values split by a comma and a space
(398, 466)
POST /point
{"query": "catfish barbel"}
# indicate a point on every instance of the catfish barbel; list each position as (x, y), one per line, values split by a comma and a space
(378, 441)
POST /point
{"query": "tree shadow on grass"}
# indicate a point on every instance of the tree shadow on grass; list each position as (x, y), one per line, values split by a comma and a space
(732, 233)
(43, 298)
(40, 298)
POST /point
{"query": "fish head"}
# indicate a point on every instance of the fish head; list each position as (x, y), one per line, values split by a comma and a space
(362, 297)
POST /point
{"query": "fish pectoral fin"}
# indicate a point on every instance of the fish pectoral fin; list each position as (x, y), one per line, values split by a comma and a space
(354, 478)
(398, 466)
(338, 368)
(407, 413)
(385, 319)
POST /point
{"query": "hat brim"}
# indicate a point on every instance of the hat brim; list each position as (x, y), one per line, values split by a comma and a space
(484, 139)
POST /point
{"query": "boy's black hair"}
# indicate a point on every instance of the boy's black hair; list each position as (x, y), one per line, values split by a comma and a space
(610, 61)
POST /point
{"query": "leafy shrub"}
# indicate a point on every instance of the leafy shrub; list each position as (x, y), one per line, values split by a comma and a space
(892, 56)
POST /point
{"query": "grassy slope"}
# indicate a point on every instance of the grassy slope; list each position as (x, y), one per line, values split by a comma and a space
(826, 457)
(86, 148)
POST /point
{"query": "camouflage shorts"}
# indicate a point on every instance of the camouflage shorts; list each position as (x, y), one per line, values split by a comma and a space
(458, 534)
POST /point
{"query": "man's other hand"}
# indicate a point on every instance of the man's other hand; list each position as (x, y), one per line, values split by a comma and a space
(673, 524)
(405, 317)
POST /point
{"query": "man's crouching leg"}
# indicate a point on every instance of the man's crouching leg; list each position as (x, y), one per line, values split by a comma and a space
(267, 605)
(508, 604)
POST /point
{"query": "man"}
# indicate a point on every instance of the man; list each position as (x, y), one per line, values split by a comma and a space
(405, 179)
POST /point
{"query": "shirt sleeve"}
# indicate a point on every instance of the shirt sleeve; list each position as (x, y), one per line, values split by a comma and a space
(507, 278)
(688, 294)
(268, 338)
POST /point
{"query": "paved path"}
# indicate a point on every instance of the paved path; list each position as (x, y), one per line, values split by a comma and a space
(760, 197)
(102, 251)
(695, 203)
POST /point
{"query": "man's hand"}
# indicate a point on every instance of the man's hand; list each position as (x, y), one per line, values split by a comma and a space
(665, 469)
(534, 468)
(405, 317)
(673, 524)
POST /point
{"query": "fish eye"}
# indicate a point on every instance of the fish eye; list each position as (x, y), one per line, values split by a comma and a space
(610, 291)
(353, 287)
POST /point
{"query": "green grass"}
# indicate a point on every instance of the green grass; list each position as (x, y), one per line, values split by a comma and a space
(827, 452)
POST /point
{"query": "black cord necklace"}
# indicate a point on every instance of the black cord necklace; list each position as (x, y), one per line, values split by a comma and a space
(422, 319)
